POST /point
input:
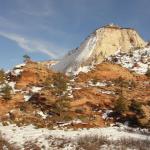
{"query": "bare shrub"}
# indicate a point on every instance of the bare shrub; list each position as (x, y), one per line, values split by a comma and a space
(96, 143)
(130, 143)
(28, 145)
(91, 142)
(4, 144)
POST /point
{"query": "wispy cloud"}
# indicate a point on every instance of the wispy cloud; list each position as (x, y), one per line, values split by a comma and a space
(36, 8)
(30, 45)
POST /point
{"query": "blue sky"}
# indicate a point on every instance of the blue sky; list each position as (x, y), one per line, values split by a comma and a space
(46, 29)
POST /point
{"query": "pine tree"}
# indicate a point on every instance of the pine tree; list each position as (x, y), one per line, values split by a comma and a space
(60, 83)
(2, 76)
(26, 58)
(148, 73)
(6, 91)
(121, 105)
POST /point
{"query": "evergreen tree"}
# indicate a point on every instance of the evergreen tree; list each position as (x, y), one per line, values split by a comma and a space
(26, 58)
(148, 73)
(2, 76)
(60, 83)
(121, 105)
(6, 91)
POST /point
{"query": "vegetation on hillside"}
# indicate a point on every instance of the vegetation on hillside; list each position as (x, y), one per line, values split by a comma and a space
(2, 76)
(6, 92)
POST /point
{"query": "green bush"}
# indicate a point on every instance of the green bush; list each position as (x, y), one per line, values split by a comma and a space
(48, 82)
(95, 80)
(120, 105)
(26, 58)
(2, 76)
(6, 91)
(60, 83)
(136, 107)
(61, 105)
(148, 73)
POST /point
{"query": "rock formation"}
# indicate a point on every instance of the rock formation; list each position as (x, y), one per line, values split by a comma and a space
(102, 43)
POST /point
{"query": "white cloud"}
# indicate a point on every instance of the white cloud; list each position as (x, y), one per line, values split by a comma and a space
(31, 45)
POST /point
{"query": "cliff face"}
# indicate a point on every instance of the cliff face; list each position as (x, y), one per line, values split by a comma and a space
(104, 42)
(111, 39)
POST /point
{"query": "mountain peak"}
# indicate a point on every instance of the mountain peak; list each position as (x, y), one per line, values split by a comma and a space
(112, 25)
(104, 42)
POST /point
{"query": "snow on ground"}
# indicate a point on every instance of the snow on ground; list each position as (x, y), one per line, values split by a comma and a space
(98, 84)
(26, 97)
(18, 69)
(36, 89)
(20, 65)
(106, 114)
(84, 69)
(17, 72)
(44, 116)
(69, 90)
(72, 62)
(20, 135)
(137, 60)
(106, 92)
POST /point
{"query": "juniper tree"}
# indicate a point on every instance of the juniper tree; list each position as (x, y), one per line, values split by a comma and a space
(26, 58)
(6, 91)
(2, 76)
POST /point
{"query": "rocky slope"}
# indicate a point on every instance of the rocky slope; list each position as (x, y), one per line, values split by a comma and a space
(112, 61)
(114, 68)
(102, 43)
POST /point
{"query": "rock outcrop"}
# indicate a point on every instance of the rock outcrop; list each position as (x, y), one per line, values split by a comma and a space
(104, 42)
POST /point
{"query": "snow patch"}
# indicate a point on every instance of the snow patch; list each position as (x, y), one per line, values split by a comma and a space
(27, 97)
(72, 62)
(42, 114)
(20, 135)
(36, 89)
(136, 60)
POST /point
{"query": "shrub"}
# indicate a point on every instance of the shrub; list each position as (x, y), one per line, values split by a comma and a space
(61, 105)
(5, 145)
(136, 107)
(114, 59)
(83, 118)
(31, 145)
(131, 143)
(48, 82)
(120, 105)
(91, 142)
(60, 83)
(148, 73)
(26, 58)
(133, 84)
(95, 80)
(2, 76)
(118, 80)
(6, 91)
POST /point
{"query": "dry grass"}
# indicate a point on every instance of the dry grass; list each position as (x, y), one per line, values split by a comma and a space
(99, 142)
(133, 144)
(91, 142)
(29, 145)
(5, 145)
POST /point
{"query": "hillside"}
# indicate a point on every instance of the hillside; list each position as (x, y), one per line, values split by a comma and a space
(101, 89)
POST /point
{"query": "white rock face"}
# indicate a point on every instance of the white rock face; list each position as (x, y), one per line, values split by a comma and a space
(73, 60)
(99, 45)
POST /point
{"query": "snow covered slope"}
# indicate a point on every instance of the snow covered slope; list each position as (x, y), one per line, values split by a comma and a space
(72, 61)
(137, 60)
(50, 139)
(99, 45)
